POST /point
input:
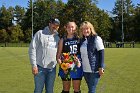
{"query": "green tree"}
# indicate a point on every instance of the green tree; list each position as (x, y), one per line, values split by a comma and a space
(104, 25)
(127, 11)
(3, 35)
(18, 14)
(86, 10)
(61, 16)
(5, 18)
(137, 23)
(42, 12)
(16, 33)
(27, 35)
(26, 23)
(128, 20)
(117, 10)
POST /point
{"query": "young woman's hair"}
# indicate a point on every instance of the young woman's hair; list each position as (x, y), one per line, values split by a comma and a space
(75, 33)
(72, 22)
(89, 25)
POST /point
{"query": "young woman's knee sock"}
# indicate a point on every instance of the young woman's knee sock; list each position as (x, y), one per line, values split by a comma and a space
(64, 91)
(77, 92)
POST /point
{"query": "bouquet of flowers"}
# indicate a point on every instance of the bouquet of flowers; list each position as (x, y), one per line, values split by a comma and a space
(69, 62)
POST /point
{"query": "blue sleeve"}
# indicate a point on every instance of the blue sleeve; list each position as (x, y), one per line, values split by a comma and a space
(101, 58)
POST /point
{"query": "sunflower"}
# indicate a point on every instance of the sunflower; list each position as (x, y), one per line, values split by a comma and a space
(64, 66)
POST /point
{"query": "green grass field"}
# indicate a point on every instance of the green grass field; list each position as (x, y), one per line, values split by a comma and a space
(122, 72)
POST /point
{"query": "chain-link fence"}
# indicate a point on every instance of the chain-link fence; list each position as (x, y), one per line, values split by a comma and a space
(122, 44)
(106, 44)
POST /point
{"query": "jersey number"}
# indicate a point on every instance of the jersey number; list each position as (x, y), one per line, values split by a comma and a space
(73, 49)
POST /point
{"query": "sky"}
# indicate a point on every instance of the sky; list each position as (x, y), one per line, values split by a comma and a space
(103, 4)
(109, 4)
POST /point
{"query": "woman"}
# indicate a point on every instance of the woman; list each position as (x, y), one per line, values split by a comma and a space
(70, 44)
(92, 54)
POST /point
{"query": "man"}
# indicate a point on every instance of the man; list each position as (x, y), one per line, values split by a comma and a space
(42, 54)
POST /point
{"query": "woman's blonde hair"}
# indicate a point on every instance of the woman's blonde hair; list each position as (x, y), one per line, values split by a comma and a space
(89, 25)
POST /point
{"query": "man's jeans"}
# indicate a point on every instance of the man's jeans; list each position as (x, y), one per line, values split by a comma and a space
(91, 80)
(45, 77)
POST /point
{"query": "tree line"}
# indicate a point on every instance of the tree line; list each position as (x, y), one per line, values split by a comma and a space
(17, 23)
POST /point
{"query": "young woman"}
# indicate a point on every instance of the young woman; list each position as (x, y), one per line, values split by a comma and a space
(70, 44)
(92, 54)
